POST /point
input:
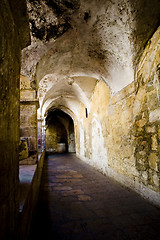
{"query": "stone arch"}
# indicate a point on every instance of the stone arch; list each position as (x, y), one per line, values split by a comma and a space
(59, 131)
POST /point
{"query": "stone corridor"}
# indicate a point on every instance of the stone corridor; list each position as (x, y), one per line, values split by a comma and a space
(76, 202)
(80, 77)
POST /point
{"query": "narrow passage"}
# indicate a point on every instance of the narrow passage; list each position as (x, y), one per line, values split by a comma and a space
(76, 202)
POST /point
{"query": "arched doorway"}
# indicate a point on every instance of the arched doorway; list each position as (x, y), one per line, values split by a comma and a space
(60, 135)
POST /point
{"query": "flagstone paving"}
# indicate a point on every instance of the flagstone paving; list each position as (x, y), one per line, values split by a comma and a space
(76, 202)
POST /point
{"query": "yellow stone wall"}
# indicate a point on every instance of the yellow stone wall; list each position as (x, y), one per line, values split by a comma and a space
(28, 124)
(28, 114)
(120, 138)
(112, 116)
(147, 115)
(126, 142)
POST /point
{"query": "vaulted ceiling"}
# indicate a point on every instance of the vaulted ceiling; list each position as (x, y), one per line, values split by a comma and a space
(77, 43)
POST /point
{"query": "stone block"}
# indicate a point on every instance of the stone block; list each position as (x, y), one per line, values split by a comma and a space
(27, 94)
(141, 122)
(28, 123)
(156, 180)
(152, 100)
(154, 142)
(140, 97)
(145, 175)
(151, 129)
(154, 115)
(153, 159)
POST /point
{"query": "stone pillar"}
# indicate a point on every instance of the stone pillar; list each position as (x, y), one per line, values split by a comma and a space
(43, 133)
(40, 120)
(28, 119)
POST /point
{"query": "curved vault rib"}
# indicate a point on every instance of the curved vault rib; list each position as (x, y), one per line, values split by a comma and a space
(71, 92)
(70, 103)
(64, 109)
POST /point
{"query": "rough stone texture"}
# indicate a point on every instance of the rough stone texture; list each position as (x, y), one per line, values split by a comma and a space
(28, 124)
(10, 47)
(28, 114)
(115, 147)
(147, 135)
(50, 18)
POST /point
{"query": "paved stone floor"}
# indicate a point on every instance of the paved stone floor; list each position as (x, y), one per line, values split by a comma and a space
(78, 203)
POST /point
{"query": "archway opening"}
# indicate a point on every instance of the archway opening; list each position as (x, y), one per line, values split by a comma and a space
(59, 137)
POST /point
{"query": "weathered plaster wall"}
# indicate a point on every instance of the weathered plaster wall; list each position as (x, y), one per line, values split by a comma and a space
(121, 135)
(10, 47)
(91, 131)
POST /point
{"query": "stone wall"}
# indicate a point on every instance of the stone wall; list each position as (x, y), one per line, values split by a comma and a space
(146, 112)
(91, 131)
(10, 50)
(28, 124)
(121, 135)
(54, 133)
(28, 114)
